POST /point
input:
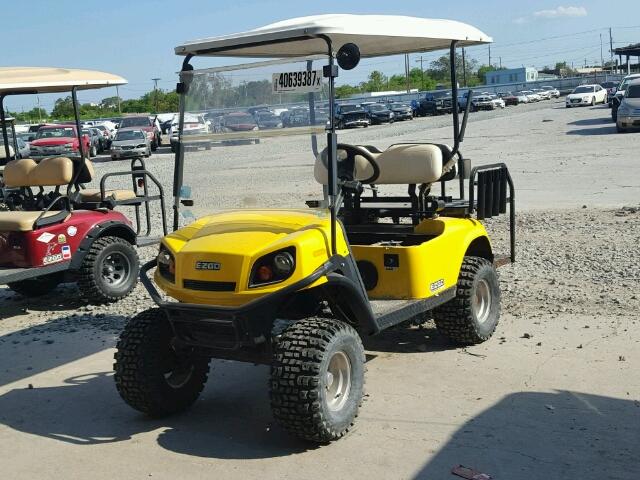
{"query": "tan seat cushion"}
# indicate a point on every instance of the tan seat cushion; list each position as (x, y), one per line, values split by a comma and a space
(21, 221)
(399, 164)
(93, 195)
(49, 172)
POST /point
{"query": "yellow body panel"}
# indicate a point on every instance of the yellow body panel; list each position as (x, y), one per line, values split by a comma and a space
(236, 240)
(426, 269)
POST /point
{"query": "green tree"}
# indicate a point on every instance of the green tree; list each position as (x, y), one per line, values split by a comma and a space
(63, 108)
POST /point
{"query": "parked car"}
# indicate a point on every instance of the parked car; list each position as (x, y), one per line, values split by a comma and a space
(349, 115)
(130, 143)
(511, 98)
(321, 116)
(378, 113)
(295, 117)
(586, 95)
(531, 95)
(23, 148)
(401, 111)
(436, 103)
(628, 116)
(496, 100)
(94, 140)
(238, 122)
(58, 140)
(145, 124)
(555, 93)
(194, 124)
(543, 94)
(266, 119)
(620, 90)
(482, 102)
(107, 136)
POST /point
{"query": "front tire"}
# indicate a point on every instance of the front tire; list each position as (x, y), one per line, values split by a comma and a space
(152, 375)
(472, 316)
(109, 270)
(317, 379)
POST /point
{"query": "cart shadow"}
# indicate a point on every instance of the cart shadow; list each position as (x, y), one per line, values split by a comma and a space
(405, 339)
(540, 435)
(592, 121)
(64, 297)
(608, 130)
(44, 346)
(231, 420)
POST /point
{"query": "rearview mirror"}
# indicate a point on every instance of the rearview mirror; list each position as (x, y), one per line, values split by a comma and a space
(348, 56)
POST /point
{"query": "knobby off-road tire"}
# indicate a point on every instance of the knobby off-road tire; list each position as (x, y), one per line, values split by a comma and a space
(150, 375)
(317, 379)
(472, 316)
(109, 270)
(36, 287)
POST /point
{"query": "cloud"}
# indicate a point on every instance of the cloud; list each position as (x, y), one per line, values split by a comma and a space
(560, 12)
(520, 20)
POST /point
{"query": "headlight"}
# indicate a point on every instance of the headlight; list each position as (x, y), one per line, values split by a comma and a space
(115, 147)
(255, 128)
(166, 264)
(142, 145)
(68, 145)
(391, 115)
(273, 268)
(586, 98)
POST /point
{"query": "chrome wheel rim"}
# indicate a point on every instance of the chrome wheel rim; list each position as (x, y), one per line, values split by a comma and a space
(115, 269)
(482, 301)
(338, 381)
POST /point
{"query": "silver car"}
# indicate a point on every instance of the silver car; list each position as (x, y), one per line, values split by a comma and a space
(629, 109)
(130, 143)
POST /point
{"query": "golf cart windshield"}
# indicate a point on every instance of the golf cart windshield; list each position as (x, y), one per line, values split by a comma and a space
(235, 160)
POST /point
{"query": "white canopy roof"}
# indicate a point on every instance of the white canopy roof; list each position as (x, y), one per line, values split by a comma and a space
(53, 80)
(375, 35)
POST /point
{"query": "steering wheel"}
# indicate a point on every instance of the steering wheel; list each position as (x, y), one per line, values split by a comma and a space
(346, 167)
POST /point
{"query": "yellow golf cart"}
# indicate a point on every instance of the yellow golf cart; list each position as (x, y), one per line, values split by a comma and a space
(260, 278)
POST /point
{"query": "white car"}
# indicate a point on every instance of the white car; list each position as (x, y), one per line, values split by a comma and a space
(586, 95)
(531, 95)
(193, 125)
(543, 94)
(553, 91)
(497, 101)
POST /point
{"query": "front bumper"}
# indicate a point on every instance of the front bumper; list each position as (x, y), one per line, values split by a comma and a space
(356, 123)
(581, 102)
(229, 328)
(39, 155)
(628, 121)
(129, 153)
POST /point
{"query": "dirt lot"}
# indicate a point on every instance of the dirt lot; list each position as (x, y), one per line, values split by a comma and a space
(554, 394)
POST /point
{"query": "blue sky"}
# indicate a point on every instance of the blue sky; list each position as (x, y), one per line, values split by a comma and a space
(135, 38)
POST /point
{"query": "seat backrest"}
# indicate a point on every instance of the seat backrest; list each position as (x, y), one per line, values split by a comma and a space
(50, 172)
(399, 164)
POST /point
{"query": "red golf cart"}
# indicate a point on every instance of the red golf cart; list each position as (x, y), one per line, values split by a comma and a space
(55, 230)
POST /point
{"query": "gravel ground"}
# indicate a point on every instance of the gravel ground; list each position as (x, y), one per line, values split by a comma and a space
(561, 367)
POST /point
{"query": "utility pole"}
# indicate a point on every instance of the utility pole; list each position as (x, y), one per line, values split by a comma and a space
(500, 62)
(406, 71)
(118, 98)
(39, 111)
(489, 54)
(611, 48)
(601, 55)
(155, 93)
(464, 69)
(421, 73)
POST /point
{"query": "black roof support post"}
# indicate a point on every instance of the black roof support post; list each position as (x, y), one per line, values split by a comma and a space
(178, 167)
(5, 135)
(454, 98)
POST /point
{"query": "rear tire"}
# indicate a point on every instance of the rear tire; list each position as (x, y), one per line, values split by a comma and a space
(93, 151)
(109, 270)
(150, 374)
(472, 316)
(619, 129)
(36, 287)
(317, 379)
